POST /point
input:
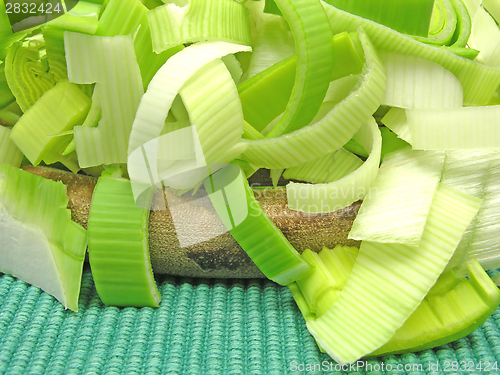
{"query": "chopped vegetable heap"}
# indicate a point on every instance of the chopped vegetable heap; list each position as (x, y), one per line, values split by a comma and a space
(392, 102)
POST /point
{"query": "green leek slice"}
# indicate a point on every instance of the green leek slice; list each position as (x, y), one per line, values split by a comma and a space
(341, 193)
(455, 129)
(234, 201)
(129, 17)
(28, 79)
(396, 210)
(333, 130)
(212, 102)
(9, 153)
(391, 142)
(464, 25)
(41, 244)
(443, 24)
(118, 246)
(408, 17)
(447, 316)
(41, 132)
(479, 82)
(221, 20)
(111, 62)
(314, 50)
(389, 281)
(413, 82)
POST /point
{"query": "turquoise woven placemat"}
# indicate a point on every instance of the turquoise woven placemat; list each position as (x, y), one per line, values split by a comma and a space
(201, 327)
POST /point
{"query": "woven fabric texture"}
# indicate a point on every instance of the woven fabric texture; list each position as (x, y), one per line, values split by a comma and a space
(201, 327)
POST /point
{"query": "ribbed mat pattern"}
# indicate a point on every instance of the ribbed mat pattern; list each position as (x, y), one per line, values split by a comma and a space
(201, 327)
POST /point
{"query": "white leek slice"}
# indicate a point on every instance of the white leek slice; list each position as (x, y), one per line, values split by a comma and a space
(111, 62)
(333, 130)
(396, 209)
(455, 129)
(479, 82)
(39, 242)
(395, 119)
(328, 168)
(477, 173)
(339, 194)
(389, 281)
(9, 153)
(414, 82)
(485, 37)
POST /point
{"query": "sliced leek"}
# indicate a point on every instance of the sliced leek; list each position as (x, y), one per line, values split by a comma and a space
(118, 246)
(455, 129)
(388, 282)
(414, 82)
(41, 133)
(333, 130)
(397, 208)
(479, 82)
(314, 49)
(9, 152)
(341, 193)
(40, 243)
(244, 218)
(111, 62)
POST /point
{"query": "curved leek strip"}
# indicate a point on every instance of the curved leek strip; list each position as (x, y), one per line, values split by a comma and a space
(165, 25)
(330, 167)
(406, 16)
(479, 82)
(396, 211)
(464, 25)
(111, 62)
(314, 50)
(57, 111)
(168, 81)
(476, 298)
(333, 130)
(388, 282)
(211, 99)
(129, 17)
(485, 37)
(118, 246)
(9, 153)
(82, 18)
(221, 20)
(40, 243)
(414, 82)
(339, 194)
(234, 201)
(443, 24)
(477, 173)
(27, 78)
(455, 129)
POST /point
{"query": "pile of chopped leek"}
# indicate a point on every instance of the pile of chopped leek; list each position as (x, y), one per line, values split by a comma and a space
(392, 102)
